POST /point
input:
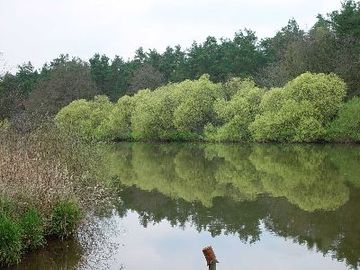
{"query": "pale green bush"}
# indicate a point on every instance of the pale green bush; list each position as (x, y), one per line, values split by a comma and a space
(120, 119)
(237, 113)
(324, 92)
(346, 127)
(300, 111)
(87, 119)
(196, 108)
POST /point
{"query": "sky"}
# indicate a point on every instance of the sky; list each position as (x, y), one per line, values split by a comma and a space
(40, 30)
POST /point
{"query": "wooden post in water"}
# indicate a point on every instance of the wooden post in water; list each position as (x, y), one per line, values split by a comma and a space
(210, 257)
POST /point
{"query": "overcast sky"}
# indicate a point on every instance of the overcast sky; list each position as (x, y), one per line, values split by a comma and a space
(39, 30)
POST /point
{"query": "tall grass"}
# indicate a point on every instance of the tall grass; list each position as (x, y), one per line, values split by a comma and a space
(40, 172)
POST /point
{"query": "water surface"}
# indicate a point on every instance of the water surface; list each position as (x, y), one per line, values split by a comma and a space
(259, 206)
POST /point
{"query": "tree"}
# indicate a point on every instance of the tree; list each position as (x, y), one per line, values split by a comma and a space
(86, 119)
(2, 65)
(236, 114)
(153, 114)
(145, 77)
(27, 78)
(346, 22)
(120, 77)
(304, 108)
(120, 119)
(66, 81)
(101, 73)
(196, 108)
(11, 97)
(346, 126)
(283, 55)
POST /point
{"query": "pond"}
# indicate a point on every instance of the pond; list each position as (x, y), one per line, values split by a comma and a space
(259, 206)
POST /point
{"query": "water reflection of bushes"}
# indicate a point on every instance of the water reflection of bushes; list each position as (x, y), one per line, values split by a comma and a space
(233, 189)
(329, 232)
(308, 176)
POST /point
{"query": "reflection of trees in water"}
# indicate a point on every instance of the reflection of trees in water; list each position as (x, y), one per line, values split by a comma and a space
(302, 175)
(334, 232)
(219, 188)
(309, 176)
(224, 216)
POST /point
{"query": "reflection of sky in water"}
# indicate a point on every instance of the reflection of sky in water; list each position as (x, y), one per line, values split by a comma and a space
(161, 246)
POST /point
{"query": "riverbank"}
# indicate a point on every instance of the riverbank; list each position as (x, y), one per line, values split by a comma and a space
(46, 189)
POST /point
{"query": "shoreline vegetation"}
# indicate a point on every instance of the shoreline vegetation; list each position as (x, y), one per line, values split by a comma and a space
(46, 190)
(295, 87)
(310, 108)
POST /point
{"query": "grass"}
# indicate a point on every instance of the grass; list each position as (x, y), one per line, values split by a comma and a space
(47, 181)
(65, 218)
(10, 241)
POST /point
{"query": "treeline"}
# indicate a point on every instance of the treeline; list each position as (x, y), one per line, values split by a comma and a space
(332, 45)
(309, 108)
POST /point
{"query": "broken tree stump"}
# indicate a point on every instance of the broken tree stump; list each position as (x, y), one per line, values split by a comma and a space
(210, 257)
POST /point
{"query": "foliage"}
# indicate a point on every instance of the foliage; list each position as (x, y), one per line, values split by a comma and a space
(120, 119)
(87, 119)
(346, 20)
(145, 77)
(300, 111)
(66, 81)
(65, 218)
(39, 171)
(237, 110)
(331, 45)
(32, 229)
(196, 108)
(324, 92)
(346, 126)
(176, 111)
(152, 115)
(10, 241)
(236, 114)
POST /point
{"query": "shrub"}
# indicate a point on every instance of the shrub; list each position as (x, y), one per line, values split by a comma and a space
(200, 109)
(294, 122)
(196, 108)
(87, 119)
(153, 115)
(273, 100)
(32, 229)
(346, 127)
(324, 92)
(120, 119)
(300, 111)
(237, 113)
(10, 241)
(65, 218)
(7, 206)
(174, 112)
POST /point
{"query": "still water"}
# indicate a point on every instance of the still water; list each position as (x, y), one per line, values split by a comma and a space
(259, 206)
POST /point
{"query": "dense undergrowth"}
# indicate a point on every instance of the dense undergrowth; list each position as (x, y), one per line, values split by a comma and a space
(310, 108)
(45, 189)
